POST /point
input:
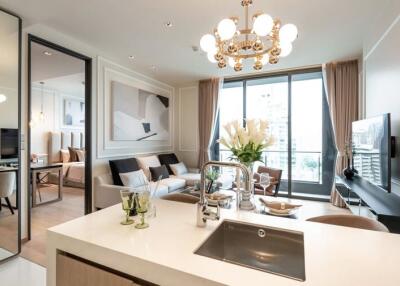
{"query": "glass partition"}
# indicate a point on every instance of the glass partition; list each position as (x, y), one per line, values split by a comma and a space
(9, 135)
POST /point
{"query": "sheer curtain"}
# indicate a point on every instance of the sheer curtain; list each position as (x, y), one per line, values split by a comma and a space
(208, 113)
(341, 86)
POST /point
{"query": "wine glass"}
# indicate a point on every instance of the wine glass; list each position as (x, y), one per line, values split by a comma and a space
(265, 181)
(142, 204)
(127, 205)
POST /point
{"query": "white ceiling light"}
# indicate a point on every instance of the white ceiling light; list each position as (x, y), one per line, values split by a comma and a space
(288, 33)
(266, 42)
(2, 98)
(226, 29)
(211, 57)
(169, 24)
(286, 49)
(263, 25)
(47, 53)
(207, 43)
(131, 57)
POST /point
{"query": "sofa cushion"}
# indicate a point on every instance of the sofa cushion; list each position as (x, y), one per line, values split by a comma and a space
(134, 179)
(157, 172)
(146, 162)
(168, 159)
(190, 178)
(122, 166)
(161, 190)
(173, 184)
(178, 169)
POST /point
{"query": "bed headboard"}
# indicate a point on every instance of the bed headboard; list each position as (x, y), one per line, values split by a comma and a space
(63, 140)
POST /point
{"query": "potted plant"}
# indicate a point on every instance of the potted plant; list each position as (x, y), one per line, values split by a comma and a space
(247, 143)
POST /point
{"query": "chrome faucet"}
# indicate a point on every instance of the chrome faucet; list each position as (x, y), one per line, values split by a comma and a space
(204, 213)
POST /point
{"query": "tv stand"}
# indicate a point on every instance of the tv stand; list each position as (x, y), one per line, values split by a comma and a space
(370, 200)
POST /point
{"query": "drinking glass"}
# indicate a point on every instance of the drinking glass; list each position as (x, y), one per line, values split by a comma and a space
(142, 204)
(265, 181)
(127, 205)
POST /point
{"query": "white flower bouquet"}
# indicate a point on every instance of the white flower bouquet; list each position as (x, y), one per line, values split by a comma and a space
(247, 143)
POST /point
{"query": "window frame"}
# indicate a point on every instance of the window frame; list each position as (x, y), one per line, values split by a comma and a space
(328, 152)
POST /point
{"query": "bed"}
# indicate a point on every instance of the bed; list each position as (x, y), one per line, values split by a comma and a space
(73, 172)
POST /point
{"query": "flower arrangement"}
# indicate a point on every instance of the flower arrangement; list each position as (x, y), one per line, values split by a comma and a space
(247, 143)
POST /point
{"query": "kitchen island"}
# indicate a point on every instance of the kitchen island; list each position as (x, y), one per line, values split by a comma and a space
(163, 254)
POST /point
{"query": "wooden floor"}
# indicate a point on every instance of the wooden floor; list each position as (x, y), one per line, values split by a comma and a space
(46, 216)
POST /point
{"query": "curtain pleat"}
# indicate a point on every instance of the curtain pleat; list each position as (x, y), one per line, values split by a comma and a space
(341, 80)
(208, 111)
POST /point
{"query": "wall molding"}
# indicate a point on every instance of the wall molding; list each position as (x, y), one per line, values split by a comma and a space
(108, 148)
(180, 145)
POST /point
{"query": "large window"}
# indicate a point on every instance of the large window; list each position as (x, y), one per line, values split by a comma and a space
(296, 108)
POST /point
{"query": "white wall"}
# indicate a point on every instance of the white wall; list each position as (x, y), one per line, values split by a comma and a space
(99, 164)
(381, 69)
(53, 117)
(187, 124)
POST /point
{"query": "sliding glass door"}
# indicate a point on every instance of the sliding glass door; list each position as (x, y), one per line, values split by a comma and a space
(295, 106)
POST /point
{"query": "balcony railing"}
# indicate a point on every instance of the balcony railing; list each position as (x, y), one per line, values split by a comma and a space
(306, 165)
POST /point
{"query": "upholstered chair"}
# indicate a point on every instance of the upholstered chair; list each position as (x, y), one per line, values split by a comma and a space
(7, 187)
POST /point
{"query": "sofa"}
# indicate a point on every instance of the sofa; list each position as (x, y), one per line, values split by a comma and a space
(107, 186)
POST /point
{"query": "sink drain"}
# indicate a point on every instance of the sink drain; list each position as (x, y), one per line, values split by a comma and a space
(261, 233)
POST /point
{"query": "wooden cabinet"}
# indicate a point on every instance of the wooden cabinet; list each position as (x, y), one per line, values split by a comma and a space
(74, 272)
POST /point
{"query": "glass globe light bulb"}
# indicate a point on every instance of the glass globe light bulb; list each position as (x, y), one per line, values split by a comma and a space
(211, 57)
(265, 59)
(207, 43)
(226, 29)
(288, 33)
(263, 25)
(231, 62)
(286, 49)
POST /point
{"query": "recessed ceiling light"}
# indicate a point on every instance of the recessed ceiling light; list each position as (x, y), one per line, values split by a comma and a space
(131, 57)
(153, 68)
(168, 24)
(47, 53)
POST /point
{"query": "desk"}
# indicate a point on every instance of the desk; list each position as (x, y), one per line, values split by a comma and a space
(36, 169)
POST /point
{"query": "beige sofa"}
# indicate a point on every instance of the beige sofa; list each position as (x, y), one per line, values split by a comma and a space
(107, 194)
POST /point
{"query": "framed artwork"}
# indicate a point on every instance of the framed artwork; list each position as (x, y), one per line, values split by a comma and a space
(138, 115)
(74, 112)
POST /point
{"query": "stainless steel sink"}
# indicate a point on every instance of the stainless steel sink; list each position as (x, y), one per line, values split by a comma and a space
(272, 250)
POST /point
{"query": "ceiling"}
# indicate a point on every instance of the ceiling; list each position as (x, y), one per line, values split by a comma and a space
(328, 30)
(58, 70)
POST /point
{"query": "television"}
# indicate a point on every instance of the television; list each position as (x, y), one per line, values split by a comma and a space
(371, 147)
(8, 143)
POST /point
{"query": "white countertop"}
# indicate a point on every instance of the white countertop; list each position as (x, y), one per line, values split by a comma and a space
(163, 253)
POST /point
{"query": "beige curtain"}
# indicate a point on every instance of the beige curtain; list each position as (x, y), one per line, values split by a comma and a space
(341, 81)
(208, 109)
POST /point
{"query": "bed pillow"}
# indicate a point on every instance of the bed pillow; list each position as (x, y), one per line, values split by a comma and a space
(81, 155)
(73, 156)
(122, 166)
(157, 172)
(146, 162)
(179, 169)
(167, 160)
(65, 157)
(133, 179)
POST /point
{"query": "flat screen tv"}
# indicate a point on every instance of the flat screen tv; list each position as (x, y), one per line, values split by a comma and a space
(371, 145)
(8, 143)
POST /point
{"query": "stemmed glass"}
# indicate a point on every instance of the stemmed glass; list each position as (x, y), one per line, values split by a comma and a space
(142, 204)
(128, 200)
(265, 181)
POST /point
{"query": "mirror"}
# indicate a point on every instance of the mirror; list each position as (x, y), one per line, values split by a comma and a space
(10, 33)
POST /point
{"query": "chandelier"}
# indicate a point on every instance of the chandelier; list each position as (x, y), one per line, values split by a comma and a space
(266, 42)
